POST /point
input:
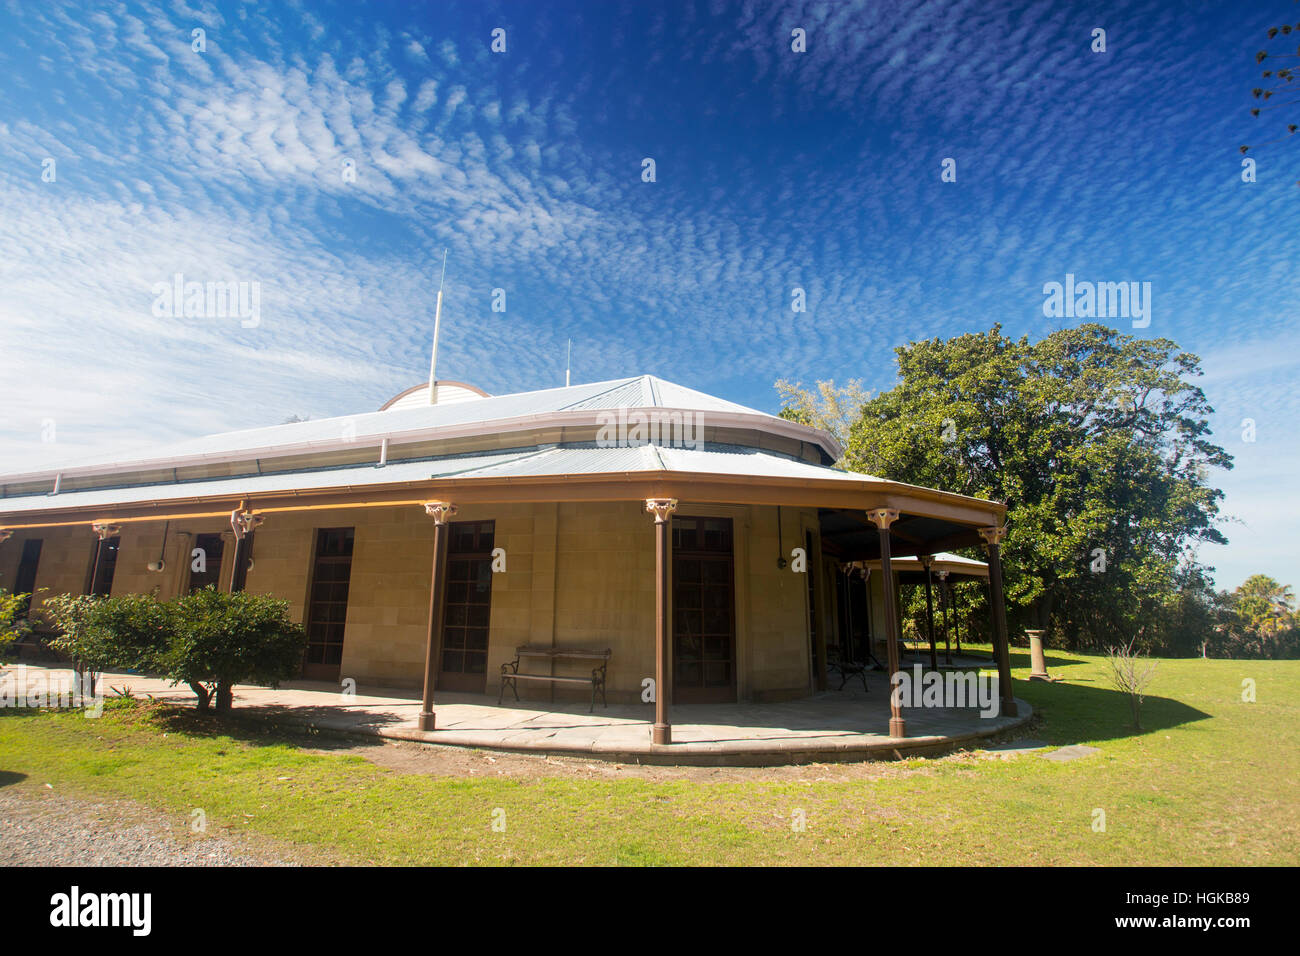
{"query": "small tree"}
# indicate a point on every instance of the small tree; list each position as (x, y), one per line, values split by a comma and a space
(1131, 673)
(81, 637)
(221, 639)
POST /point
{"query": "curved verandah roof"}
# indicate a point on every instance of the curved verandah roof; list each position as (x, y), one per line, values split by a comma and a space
(930, 520)
(541, 446)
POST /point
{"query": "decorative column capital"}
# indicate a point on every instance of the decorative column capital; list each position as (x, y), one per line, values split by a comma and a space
(942, 575)
(994, 535)
(926, 560)
(661, 508)
(882, 518)
(440, 511)
(244, 522)
(5, 535)
(104, 529)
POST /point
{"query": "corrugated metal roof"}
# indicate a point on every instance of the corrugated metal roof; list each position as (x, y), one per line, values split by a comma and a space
(516, 463)
(372, 427)
(631, 393)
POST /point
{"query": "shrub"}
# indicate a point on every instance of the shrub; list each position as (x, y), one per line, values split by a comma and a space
(81, 637)
(209, 640)
(12, 621)
(221, 639)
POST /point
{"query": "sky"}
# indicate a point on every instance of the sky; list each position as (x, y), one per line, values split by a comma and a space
(325, 155)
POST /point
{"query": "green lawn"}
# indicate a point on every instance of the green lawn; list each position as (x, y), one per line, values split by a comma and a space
(1213, 780)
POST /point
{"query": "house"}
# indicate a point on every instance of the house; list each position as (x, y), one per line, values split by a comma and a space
(421, 544)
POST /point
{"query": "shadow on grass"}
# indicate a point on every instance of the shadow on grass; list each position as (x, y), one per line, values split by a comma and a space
(264, 726)
(1070, 713)
(10, 777)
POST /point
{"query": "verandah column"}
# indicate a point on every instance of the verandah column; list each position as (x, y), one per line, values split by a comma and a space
(1001, 649)
(945, 600)
(662, 509)
(882, 518)
(439, 511)
(929, 611)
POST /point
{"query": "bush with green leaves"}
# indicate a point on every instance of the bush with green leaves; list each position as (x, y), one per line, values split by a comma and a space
(222, 639)
(13, 623)
(209, 640)
(89, 646)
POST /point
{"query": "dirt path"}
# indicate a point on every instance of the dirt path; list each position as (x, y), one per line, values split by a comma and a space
(45, 828)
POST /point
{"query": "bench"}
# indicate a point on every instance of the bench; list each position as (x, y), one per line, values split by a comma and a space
(846, 668)
(510, 671)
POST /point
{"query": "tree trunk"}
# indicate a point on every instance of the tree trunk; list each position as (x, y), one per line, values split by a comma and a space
(225, 697)
(202, 694)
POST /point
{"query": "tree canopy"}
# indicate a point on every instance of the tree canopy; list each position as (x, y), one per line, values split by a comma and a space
(1098, 442)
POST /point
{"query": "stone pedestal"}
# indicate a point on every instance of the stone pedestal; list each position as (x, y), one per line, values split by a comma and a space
(1037, 663)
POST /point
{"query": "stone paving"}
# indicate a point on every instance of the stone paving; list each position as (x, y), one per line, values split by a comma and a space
(833, 724)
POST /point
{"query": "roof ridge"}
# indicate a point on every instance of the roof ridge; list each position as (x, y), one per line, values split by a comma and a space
(615, 384)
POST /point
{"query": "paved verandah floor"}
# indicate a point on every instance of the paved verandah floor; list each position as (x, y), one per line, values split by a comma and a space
(834, 724)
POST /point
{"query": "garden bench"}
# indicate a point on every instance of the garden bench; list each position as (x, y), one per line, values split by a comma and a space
(510, 671)
(846, 669)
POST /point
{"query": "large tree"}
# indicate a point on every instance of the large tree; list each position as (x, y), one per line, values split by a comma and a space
(1098, 442)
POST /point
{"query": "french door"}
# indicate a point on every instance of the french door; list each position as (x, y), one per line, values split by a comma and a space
(462, 660)
(704, 624)
(327, 611)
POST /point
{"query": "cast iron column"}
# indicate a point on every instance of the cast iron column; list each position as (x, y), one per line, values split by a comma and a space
(945, 599)
(1001, 650)
(929, 612)
(662, 509)
(439, 511)
(882, 518)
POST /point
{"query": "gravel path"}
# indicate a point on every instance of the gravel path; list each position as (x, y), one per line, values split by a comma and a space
(50, 829)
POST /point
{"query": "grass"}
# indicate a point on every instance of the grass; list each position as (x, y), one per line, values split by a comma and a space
(1211, 781)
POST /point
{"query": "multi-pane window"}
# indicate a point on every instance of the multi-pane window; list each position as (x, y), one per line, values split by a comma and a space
(468, 605)
(210, 548)
(105, 565)
(25, 582)
(327, 610)
(704, 660)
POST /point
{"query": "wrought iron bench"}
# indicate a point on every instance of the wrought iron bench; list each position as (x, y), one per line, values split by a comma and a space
(846, 669)
(510, 671)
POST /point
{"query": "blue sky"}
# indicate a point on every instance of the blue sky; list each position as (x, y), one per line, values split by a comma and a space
(774, 170)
